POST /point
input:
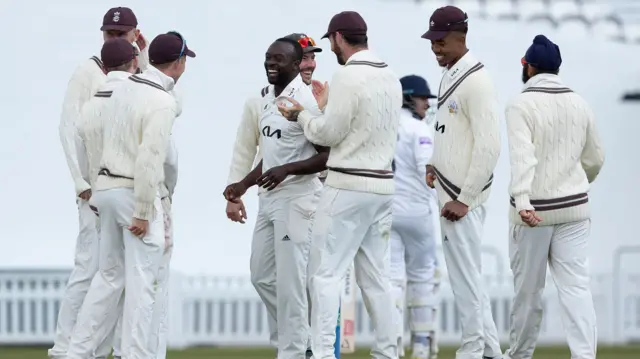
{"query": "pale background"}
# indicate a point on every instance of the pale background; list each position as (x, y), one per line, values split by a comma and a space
(44, 41)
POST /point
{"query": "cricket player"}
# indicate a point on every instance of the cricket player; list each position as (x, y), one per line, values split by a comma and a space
(415, 211)
(288, 172)
(141, 113)
(246, 152)
(550, 127)
(466, 150)
(353, 220)
(119, 22)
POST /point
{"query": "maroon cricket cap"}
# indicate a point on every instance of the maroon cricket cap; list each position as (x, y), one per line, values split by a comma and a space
(307, 43)
(168, 47)
(116, 52)
(348, 23)
(119, 18)
(445, 20)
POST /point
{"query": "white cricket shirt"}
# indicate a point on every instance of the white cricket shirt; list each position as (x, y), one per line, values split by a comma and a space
(413, 151)
(284, 141)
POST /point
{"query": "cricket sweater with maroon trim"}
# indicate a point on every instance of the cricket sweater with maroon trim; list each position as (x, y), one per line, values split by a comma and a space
(467, 134)
(142, 112)
(555, 152)
(359, 124)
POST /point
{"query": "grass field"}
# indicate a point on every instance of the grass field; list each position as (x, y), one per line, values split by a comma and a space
(627, 352)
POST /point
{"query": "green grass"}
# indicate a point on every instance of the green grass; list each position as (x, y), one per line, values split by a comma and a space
(626, 352)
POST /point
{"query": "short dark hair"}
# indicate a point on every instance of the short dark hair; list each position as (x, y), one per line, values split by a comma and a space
(124, 67)
(299, 52)
(537, 71)
(356, 40)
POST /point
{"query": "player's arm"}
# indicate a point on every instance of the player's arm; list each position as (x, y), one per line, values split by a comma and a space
(330, 128)
(592, 158)
(521, 155)
(171, 168)
(245, 147)
(152, 152)
(77, 94)
(423, 148)
(250, 179)
(311, 165)
(482, 111)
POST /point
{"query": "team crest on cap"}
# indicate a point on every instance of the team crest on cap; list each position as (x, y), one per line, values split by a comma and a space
(432, 23)
(116, 16)
(453, 107)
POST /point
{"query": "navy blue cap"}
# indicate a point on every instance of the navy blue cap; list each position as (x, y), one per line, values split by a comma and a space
(543, 54)
(415, 85)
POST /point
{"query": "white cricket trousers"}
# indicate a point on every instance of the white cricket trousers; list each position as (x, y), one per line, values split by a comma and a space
(126, 261)
(84, 269)
(413, 264)
(160, 319)
(351, 227)
(279, 258)
(461, 244)
(564, 248)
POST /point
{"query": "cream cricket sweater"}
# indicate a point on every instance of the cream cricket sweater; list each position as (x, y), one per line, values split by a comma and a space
(359, 124)
(555, 152)
(142, 113)
(467, 134)
(246, 152)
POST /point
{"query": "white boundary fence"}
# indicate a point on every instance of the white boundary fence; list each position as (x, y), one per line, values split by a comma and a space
(209, 310)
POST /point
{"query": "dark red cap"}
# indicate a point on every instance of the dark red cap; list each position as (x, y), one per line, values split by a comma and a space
(120, 19)
(168, 47)
(348, 23)
(444, 20)
(116, 52)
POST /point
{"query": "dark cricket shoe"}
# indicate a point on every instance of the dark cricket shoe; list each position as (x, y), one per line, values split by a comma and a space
(308, 354)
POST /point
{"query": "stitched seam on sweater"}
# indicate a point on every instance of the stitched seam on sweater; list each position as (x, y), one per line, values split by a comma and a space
(103, 94)
(368, 63)
(452, 190)
(139, 80)
(556, 203)
(551, 90)
(363, 172)
(455, 85)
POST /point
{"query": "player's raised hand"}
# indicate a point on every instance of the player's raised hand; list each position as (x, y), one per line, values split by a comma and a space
(431, 176)
(141, 41)
(234, 191)
(320, 92)
(290, 112)
(530, 217)
(273, 177)
(236, 211)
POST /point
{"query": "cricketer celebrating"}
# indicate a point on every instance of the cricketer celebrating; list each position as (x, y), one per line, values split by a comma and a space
(353, 219)
(415, 213)
(466, 150)
(288, 171)
(555, 154)
(119, 22)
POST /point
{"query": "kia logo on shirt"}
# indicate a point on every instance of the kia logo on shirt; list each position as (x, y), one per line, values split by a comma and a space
(266, 131)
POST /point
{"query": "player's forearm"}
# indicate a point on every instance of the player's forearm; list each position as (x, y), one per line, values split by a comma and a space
(484, 158)
(251, 179)
(315, 164)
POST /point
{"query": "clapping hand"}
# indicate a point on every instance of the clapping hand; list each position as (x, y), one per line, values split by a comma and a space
(290, 112)
(320, 92)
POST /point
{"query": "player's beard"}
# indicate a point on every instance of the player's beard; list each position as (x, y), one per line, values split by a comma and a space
(525, 74)
(339, 56)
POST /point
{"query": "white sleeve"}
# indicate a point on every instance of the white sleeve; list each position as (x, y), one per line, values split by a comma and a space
(77, 94)
(521, 155)
(247, 140)
(171, 167)
(423, 146)
(592, 158)
(330, 128)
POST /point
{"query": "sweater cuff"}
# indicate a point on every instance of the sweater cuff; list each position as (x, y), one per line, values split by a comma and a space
(522, 203)
(304, 117)
(143, 210)
(81, 186)
(465, 198)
